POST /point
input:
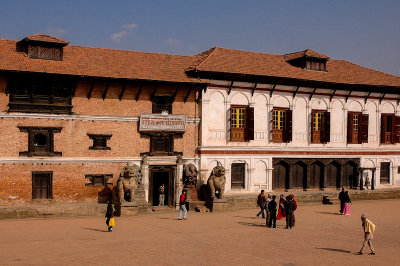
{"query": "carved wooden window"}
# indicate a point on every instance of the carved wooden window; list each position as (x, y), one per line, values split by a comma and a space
(242, 123)
(316, 65)
(161, 144)
(40, 141)
(281, 125)
(98, 180)
(238, 175)
(357, 127)
(162, 103)
(40, 94)
(390, 129)
(45, 52)
(99, 142)
(42, 185)
(320, 126)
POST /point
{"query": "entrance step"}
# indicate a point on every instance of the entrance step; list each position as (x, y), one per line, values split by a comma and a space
(160, 209)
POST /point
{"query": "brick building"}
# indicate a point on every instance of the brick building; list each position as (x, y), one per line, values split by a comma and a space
(72, 117)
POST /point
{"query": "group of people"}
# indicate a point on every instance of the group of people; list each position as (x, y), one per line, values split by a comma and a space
(284, 209)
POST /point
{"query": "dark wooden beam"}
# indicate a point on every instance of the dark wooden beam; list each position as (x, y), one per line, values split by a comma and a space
(348, 95)
(121, 94)
(153, 93)
(312, 94)
(106, 90)
(74, 88)
(383, 96)
(254, 89)
(199, 95)
(175, 93)
(366, 98)
(230, 88)
(140, 90)
(90, 90)
(333, 94)
(187, 95)
(272, 91)
(295, 92)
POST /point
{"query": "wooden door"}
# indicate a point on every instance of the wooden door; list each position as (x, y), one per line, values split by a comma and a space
(42, 185)
(280, 175)
(333, 175)
(317, 175)
(299, 173)
(238, 175)
(385, 173)
(349, 176)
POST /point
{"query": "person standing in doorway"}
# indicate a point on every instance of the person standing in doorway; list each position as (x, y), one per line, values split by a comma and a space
(369, 229)
(109, 215)
(161, 198)
(182, 205)
(272, 212)
(261, 201)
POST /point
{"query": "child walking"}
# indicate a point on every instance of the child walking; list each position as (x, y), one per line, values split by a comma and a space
(110, 216)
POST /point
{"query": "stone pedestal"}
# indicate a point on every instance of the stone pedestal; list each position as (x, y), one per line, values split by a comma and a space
(219, 205)
(141, 202)
(191, 193)
(126, 209)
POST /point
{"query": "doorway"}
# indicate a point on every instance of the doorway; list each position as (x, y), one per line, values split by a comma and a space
(385, 173)
(161, 175)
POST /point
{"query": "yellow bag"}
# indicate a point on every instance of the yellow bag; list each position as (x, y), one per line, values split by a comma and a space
(111, 222)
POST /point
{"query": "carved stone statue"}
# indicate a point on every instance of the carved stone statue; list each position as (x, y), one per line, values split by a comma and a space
(129, 179)
(190, 175)
(217, 181)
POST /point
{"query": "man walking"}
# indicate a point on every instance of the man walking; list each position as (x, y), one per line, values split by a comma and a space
(272, 212)
(342, 198)
(261, 202)
(289, 209)
(182, 205)
(161, 198)
(369, 229)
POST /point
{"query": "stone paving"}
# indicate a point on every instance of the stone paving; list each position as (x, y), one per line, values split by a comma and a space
(321, 237)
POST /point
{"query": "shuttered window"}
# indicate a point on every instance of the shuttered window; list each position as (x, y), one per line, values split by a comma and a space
(390, 129)
(320, 126)
(242, 123)
(282, 125)
(42, 185)
(357, 127)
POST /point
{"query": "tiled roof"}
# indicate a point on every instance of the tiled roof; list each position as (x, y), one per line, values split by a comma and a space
(230, 61)
(100, 62)
(305, 53)
(45, 38)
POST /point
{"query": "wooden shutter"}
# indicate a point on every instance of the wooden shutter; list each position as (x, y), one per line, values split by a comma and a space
(327, 127)
(383, 128)
(312, 126)
(396, 129)
(363, 129)
(249, 130)
(229, 116)
(288, 129)
(349, 127)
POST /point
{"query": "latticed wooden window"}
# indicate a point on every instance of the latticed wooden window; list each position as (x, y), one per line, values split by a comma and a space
(318, 120)
(279, 119)
(356, 122)
(238, 117)
(320, 126)
(45, 52)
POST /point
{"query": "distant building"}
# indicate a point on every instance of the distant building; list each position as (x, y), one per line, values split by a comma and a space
(71, 117)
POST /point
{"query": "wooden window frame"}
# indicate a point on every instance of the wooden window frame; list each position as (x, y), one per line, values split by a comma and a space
(235, 184)
(92, 178)
(169, 143)
(283, 134)
(323, 128)
(357, 136)
(47, 52)
(35, 150)
(49, 193)
(242, 131)
(390, 134)
(99, 138)
(159, 101)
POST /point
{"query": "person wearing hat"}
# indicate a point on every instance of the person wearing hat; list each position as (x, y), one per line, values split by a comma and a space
(369, 229)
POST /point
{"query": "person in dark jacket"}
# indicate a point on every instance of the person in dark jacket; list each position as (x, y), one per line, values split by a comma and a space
(261, 199)
(272, 212)
(342, 196)
(289, 209)
(109, 215)
(182, 205)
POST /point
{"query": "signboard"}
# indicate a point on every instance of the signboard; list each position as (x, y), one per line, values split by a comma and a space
(162, 122)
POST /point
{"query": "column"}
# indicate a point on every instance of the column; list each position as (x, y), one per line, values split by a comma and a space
(178, 180)
(361, 179)
(373, 179)
(145, 176)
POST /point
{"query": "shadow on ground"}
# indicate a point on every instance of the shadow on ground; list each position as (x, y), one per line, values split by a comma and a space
(95, 229)
(336, 250)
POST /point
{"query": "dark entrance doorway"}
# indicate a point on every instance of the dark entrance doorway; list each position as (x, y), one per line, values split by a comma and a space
(161, 175)
(42, 185)
(280, 176)
(385, 172)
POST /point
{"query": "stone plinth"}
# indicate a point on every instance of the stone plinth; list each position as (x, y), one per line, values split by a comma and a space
(126, 209)
(191, 193)
(140, 200)
(219, 205)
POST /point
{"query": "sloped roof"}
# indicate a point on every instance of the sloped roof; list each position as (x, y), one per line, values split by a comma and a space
(228, 61)
(45, 38)
(305, 53)
(100, 62)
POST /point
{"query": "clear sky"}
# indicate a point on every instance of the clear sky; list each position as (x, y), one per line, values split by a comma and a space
(361, 31)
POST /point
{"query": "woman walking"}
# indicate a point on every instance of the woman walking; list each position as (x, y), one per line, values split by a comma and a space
(110, 216)
(346, 206)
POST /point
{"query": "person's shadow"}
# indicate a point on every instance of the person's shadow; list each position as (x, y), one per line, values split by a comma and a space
(336, 250)
(94, 229)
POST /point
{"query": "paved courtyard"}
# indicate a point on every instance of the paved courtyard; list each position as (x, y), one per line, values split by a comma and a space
(321, 237)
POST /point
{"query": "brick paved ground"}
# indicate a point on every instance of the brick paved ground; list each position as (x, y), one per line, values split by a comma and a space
(321, 237)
